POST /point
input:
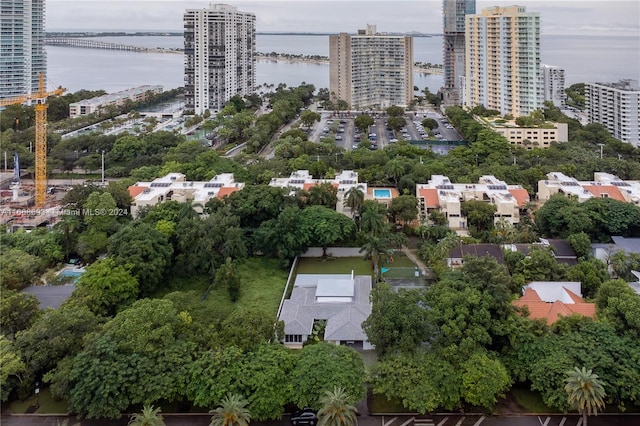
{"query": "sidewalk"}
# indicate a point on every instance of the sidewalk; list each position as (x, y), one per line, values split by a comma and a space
(414, 258)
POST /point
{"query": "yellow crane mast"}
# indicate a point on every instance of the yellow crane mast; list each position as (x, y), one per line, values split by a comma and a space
(40, 97)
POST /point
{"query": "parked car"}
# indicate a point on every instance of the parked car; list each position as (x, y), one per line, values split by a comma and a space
(306, 416)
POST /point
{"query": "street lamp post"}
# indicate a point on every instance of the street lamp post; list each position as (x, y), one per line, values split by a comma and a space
(601, 146)
(102, 168)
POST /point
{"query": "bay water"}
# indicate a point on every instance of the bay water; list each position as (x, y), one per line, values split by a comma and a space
(585, 59)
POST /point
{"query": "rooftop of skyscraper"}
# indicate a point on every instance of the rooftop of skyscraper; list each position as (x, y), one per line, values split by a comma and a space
(625, 84)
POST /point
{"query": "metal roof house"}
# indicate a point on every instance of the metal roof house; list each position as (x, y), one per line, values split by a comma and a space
(340, 300)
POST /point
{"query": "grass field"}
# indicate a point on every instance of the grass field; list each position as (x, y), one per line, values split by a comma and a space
(344, 265)
(44, 401)
(531, 401)
(261, 285)
(334, 265)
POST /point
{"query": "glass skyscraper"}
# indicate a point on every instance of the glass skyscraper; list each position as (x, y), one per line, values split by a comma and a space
(22, 53)
(453, 13)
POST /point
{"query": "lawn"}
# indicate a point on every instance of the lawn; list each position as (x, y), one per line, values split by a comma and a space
(261, 285)
(334, 265)
(44, 401)
(344, 265)
(380, 404)
(531, 401)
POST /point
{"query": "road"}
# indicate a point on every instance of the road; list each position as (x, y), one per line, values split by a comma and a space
(427, 420)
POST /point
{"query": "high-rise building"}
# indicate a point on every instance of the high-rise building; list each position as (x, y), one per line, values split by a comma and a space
(219, 48)
(616, 106)
(453, 14)
(553, 85)
(503, 60)
(22, 54)
(371, 69)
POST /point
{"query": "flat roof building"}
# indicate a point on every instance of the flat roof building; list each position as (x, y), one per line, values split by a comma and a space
(533, 137)
(617, 107)
(453, 19)
(99, 103)
(302, 180)
(220, 56)
(553, 85)
(175, 187)
(503, 61)
(371, 70)
(603, 185)
(440, 194)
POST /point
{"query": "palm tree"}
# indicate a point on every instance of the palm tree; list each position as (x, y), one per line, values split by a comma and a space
(149, 417)
(373, 247)
(585, 391)
(395, 170)
(232, 412)
(336, 410)
(372, 219)
(354, 200)
(68, 225)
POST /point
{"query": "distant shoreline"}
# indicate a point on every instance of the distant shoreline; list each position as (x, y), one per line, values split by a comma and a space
(181, 34)
(325, 61)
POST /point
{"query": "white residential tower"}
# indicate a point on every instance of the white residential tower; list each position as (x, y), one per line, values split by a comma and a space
(219, 48)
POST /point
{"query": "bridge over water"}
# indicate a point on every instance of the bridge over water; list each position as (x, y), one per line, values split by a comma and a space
(97, 44)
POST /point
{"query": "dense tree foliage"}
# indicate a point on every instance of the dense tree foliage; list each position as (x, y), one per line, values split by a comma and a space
(399, 320)
(18, 311)
(458, 343)
(138, 357)
(322, 366)
(599, 218)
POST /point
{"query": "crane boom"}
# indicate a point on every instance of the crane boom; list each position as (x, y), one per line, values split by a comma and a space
(40, 97)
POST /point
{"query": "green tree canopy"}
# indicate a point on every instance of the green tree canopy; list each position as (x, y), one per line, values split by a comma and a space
(108, 287)
(399, 321)
(362, 122)
(323, 227)
(138, 357)
(322, 366)
(56, 334)
(423, 381)
(144, 251)
(18, 311)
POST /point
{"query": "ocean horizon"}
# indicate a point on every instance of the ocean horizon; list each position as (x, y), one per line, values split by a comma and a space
(585, 59)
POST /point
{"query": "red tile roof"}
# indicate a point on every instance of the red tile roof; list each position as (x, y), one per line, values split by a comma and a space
(225, 191)
(307, 186)
(134, 191)
(521, 196)
(610, 190)
(539, 309)
(430, 196)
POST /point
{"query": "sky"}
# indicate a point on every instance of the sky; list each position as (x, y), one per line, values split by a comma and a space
(560, 17)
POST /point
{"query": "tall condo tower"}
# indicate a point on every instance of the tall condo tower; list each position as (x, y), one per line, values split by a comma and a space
(371, 69)
(22, 54)
(219, 48)
(453, 14)
(503, 60)
(553, 78)
(617, 107)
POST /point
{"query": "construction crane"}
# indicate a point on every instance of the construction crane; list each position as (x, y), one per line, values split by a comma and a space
(40, 97)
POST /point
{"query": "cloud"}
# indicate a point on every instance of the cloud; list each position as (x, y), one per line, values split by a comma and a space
(557, 17)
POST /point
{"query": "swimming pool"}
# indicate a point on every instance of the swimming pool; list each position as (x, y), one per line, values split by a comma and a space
(382, 193)
(72, 272)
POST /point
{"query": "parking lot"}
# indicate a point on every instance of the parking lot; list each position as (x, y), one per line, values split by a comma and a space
(343, 131)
